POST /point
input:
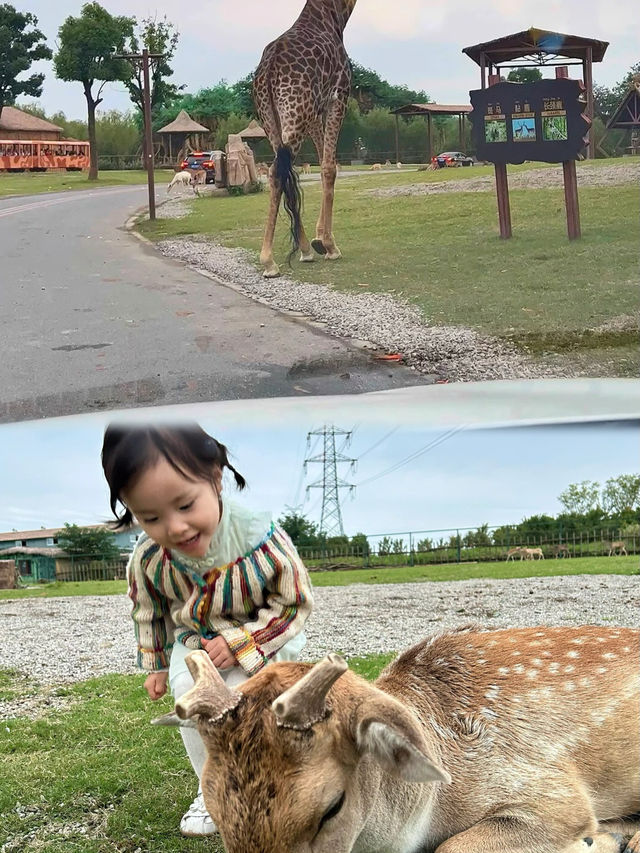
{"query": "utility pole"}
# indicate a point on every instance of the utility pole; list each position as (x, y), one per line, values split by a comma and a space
(144, 58)
(331, 516)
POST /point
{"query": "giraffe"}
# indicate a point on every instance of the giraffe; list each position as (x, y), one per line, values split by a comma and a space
(301, 88)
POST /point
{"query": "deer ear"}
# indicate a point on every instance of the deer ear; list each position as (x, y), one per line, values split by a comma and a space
(392, 736)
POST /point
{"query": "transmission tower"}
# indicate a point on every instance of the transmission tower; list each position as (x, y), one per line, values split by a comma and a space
(330, 517)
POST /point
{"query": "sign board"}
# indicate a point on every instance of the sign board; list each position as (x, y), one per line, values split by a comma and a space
(545, 120)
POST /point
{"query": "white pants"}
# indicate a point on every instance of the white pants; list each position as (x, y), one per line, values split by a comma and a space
(180, 681)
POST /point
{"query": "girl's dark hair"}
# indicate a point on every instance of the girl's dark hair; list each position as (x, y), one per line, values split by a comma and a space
(128, 450)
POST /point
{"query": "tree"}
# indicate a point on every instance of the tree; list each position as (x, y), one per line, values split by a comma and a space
(606, 101)
(300, 529)
(580, 498)
(370, 91)
(621, 494)
(524, 75)
(19, 48)
(157, 37)
(87, 45)
(95, 542)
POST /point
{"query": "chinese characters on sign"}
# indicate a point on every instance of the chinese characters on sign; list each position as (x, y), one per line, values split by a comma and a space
(547, 115)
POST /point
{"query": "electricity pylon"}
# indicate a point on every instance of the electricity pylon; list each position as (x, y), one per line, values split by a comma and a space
(331, 516)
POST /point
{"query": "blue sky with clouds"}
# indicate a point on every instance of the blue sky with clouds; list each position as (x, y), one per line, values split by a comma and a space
(442, 478)
(414, 42)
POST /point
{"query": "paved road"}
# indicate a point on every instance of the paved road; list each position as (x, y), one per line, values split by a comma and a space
(91, 319)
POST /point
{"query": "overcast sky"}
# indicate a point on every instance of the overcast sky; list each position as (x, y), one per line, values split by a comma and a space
(442, 478)
(412, 42)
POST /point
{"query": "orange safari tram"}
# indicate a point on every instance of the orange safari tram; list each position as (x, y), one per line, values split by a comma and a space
(24, 155)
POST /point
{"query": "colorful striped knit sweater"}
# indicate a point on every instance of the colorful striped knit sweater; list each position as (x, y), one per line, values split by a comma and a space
(257, 603)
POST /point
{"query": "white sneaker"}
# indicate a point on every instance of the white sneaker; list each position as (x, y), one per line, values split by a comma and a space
(197, 820)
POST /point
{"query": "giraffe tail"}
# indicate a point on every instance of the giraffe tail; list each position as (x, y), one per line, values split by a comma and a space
(291, 194)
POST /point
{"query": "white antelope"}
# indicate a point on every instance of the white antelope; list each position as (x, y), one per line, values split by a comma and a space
(507, 741)
(184, 179)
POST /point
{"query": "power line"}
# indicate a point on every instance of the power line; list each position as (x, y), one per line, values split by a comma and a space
(432, 444)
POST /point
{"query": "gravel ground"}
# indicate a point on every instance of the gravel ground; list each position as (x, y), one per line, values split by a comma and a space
(453, 353)
(536, 179)
(55, 641)
(444, 352)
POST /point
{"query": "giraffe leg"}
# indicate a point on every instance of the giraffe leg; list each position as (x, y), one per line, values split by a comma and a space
(317, 135)
(331, 131)
(271, 269)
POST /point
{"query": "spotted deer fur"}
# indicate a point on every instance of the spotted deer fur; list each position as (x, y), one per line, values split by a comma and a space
(301, 88)
(502, 741)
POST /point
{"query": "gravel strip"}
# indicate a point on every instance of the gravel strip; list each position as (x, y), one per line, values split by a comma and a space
(56, 641)
(535, 179)
(448, 352)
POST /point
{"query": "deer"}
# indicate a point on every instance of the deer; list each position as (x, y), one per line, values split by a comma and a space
(512, 553)
(531, 553)
(375, 167)
(520, 740)
(560, 550)
(616, 549)
(306, 168)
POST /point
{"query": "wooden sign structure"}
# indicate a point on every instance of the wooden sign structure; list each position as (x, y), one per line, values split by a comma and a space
(543, 49)
(542, 121)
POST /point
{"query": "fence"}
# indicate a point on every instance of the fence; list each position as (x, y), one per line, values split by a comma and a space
(83, 569)
(461, 545)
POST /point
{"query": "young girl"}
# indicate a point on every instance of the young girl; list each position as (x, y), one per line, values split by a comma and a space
(206, 574)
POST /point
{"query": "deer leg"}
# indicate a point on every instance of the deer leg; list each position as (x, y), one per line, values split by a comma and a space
(506, 835)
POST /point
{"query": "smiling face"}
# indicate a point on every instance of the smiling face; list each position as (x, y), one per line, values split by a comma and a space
(176, 511)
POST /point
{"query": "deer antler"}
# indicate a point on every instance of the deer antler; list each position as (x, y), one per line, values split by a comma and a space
(304, 704)
(209, 696)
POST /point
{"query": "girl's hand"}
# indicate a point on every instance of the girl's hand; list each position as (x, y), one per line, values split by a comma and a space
(218, 650)
(156, 684)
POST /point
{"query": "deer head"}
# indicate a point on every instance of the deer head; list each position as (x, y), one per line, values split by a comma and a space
(295, 755)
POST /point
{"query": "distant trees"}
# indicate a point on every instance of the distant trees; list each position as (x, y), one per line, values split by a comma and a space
(21, 44)
(96, 542)
(85, 55)
(524, 75)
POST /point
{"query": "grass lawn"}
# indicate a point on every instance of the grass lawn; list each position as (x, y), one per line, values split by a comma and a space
(96, 777)
(443, 254)
(28, 183)
(393, 574)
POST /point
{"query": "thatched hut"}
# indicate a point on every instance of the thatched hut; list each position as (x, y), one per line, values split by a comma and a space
(178, 135)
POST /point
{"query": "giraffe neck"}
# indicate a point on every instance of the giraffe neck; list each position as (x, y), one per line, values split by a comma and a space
(329, 14)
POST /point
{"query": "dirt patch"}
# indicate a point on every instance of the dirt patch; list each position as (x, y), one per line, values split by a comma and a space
(535, 179)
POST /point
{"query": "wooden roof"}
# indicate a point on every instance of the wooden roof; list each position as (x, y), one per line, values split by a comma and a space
(434, 109)
(183, 123)
(14, 119)
(628, 113)
(252, 131)
(533, 42)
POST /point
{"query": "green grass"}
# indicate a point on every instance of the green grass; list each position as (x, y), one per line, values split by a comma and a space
(443, 254)
(381, 574)
(96, 777)
(53, 182)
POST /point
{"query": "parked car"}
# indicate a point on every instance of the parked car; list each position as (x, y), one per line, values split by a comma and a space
(198, 160)
(452, 158)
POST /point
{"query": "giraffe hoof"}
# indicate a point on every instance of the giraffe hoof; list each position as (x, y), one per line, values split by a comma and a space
(273, 272)
(333, 256)
(318, 246)
(307, 258)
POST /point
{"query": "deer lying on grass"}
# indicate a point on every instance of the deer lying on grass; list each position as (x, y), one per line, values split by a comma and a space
(507, 741)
